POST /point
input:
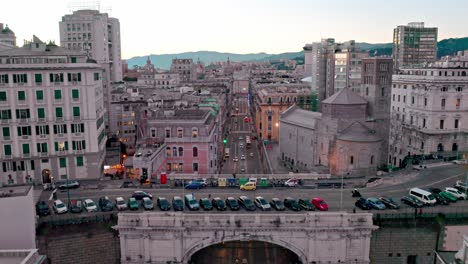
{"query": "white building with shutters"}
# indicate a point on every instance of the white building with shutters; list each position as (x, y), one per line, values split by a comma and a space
(51, 115)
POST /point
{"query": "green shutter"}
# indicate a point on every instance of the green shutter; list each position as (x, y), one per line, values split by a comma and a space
(56, 146)
(58, 112)
(75, 94)
(25, 148)
(38, 77)
(47, 130)
(21, 95)
(82, 128)
(58, 94)
(79, 161)
(63, 162)
(7, 149)
(69, 77)
(73, 59)
(66, 145)
(38, 147)
(39, 95)
(41, 112)
(44, 147)
(61, 77)
(83, 145)
(6, 131)
(74, 145)
(76, 111)
(18, 129)
(79, 76)
(3, 96)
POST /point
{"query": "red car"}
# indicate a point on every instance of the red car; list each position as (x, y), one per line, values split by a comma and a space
(320, 204)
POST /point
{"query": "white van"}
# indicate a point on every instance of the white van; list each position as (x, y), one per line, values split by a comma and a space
(424, 196)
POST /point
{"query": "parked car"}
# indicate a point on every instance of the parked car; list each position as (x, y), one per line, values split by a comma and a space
(411, 201)
(261, 203)
(218, 203)
(69, 185)
(440, 199)
(376, 203)
(205, 204)
(448, 196)
(163, 204)
(291, 204)
(291, 183)
(177, 203)
(461, 186)
(193, 185)
(248, 186)
(139, 195)
(90, 206)
(120, 203)
(456, 193)
(203, 182)
(306, 205)
(245, 202)
(106, 204)
(76, 206)
(320, 204)
(232, 203)
(42, 208)
(59, 207)
(191, 202)
(277, 204)
(147, 203)
(133, 204)
(389, 202)
(363, 204)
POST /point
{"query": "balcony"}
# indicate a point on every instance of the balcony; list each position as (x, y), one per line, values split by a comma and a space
(43, 154)
(62, 152)
(79, 151)
(76, 100)
(43, 136)
(6, 138)
(3, 84)
(38, 83)
(76, 118)
(77, 134)
(41, 120)
(26, 155)
(5, 121)
(59, 119)
(23, 120)
(19, 84)
(25, 137)
(7, 156)
(61, 135)
(58, 83)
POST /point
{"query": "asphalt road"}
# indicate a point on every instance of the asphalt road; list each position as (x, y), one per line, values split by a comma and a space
(239, 129)
(439, 177)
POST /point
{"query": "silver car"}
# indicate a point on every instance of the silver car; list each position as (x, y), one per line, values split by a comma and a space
(261, 203)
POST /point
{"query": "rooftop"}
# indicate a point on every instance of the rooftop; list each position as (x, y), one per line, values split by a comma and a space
(14, 191)
(345, 97)
(358, 132)
(21, 256)
(298, 116)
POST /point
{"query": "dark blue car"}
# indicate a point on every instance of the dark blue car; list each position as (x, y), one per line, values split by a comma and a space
(194, 185)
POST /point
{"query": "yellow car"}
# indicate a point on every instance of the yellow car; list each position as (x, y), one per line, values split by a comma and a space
(249, 186)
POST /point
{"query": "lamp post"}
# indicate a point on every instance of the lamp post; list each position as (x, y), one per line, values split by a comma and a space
(68, 187)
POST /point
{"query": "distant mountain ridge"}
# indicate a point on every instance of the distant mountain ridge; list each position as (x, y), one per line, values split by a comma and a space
(163, 61)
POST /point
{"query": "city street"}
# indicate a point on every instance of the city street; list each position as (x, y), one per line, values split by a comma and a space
(238, 130)
(439, 177)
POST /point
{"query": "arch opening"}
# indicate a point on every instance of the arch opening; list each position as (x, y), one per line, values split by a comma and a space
(244, 252)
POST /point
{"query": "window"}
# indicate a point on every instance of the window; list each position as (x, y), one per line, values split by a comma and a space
(3, 96)
(153, 132)
(60, 129)
(412, 99)
(61, 146)
(5, 114)
(41, 113)
(96, 76)
(42, 147)
(38, 77)
(404, 99)
(24, 131)
(168, 132)
(26, 149)
(181, 151)
(7, 150)
(372, 159)
(393, 97)
(456, 123)
(195, 152)
(425, 101)
(6, 133)
(351, 160)
(444, 89)
(20, 78)
(79, 161)
(59, 112)
(424, 122)
(459, 89)
(77, 128)
(58, 94)
(412, 259)
(195, 166)
(441, 124)
(39, 95)
(194, 132)
(180, 132)
(79, 145)
(458, 103)
(382, 92)
(63, 162)
(56, 77)
(76, 111)
(73, 59)
(398, 98)
(3, 78)
(442, 103)
(174, 151)
(367, 91)
(42, 130)
(21, 95)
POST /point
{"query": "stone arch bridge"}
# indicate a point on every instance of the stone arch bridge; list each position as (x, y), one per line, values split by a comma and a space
(315, 237)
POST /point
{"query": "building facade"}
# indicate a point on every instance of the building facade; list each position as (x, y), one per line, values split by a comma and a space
(429, 111)
(51, 114)
(7, 37)
(185, 68)
(414, 44)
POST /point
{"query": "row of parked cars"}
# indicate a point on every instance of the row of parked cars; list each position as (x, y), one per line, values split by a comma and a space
(142, 199)
(417, 198)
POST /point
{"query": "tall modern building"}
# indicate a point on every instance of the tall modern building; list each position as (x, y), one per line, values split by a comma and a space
(414, 44)
(333, 66)
(99, 35)
(51, 114)
(429, 111)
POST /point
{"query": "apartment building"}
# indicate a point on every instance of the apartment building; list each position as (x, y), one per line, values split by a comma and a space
(51, 114)
(429, 111)
(185, 68)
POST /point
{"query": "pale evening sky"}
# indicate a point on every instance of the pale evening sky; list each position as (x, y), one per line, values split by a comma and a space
(241, 26)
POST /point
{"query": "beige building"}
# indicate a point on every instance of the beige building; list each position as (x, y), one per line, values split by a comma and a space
(429, 111)
(7, 38)
(185, 68)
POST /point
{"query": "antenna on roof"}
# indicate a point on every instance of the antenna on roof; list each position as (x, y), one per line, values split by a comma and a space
(89, 5)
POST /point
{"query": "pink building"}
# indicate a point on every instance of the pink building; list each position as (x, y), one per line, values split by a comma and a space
(190, 136)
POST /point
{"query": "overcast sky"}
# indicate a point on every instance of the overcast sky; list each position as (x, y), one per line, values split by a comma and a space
(241, 26)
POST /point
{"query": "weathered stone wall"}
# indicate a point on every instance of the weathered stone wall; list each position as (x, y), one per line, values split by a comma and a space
(79, 244)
